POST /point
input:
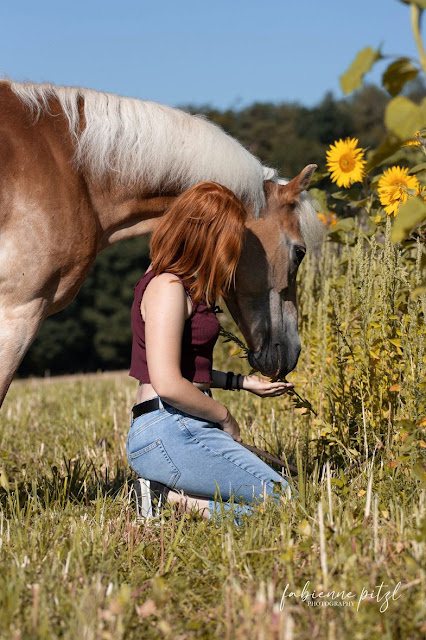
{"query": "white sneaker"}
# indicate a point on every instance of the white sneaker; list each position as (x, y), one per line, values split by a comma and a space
(149, 498)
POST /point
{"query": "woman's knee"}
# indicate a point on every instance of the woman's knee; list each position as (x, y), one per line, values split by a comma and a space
(260, 489)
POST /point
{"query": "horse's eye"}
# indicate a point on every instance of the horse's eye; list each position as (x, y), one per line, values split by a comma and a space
(300, 253)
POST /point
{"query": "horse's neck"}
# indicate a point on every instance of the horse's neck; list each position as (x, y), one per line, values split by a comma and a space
(124, 213)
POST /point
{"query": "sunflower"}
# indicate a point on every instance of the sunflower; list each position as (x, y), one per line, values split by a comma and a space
(345, 162)
(395, 187)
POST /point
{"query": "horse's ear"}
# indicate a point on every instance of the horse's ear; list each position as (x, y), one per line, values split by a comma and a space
(294, 188)
(269, 187)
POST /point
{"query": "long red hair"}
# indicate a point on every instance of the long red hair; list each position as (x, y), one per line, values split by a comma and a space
(200, 239)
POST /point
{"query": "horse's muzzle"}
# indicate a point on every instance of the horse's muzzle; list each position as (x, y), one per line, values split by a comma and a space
(276, 362)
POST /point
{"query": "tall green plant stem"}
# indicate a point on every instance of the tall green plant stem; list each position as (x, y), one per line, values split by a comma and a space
(416, 16)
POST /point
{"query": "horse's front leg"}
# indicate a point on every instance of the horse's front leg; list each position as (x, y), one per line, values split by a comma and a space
(19, 324)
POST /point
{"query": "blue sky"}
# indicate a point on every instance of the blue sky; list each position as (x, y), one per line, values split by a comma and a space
(223, 53)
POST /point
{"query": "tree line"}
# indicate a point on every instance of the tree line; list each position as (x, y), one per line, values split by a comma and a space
(94, 331)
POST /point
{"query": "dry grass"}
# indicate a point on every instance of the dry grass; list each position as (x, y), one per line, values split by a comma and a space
(75, 563)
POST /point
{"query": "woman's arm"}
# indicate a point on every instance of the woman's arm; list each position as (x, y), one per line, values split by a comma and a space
(165, 315)
(254, 384)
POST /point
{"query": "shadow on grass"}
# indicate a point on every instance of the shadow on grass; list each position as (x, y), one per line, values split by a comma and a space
(81, 483)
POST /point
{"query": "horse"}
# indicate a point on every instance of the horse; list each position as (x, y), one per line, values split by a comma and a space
(81, 170)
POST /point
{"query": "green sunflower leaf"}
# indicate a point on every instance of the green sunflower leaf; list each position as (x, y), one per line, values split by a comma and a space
(352, 78)
(398, 74)
(404, 117)
(409, 216)
(388, 147)
(418, 168)
(349, 194)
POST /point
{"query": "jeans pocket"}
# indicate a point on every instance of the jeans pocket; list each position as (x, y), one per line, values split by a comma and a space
(152, 462)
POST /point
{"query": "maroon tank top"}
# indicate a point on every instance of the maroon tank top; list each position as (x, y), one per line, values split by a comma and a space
(200, 334)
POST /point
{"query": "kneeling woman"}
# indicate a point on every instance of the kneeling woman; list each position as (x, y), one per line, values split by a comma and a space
(182, 442)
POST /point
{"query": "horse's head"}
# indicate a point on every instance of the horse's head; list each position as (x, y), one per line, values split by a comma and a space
(264, 302)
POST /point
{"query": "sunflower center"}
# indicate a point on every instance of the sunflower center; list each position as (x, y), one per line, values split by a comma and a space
(347, 162)
(396, 192)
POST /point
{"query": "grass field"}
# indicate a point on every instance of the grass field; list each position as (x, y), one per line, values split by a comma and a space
(74, 563)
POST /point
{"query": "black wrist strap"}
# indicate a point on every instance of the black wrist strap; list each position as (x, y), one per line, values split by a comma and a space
(229, 376)
(238, 382)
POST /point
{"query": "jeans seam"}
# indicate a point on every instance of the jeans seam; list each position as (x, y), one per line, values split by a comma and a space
(221, 454)
(167, 456)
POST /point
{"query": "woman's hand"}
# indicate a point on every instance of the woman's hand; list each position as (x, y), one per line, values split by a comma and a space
(231, 426)
(265, 388)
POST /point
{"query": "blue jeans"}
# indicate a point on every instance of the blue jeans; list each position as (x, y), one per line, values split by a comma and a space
(197, 457)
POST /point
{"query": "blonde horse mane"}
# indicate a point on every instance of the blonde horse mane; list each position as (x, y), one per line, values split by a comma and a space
(162, 146)
(144, 141)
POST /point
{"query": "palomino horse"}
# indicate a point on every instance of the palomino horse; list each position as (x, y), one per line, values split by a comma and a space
(81, 170)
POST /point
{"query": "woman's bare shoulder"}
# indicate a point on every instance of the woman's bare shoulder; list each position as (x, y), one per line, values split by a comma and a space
(163, 281)
(163, 288)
